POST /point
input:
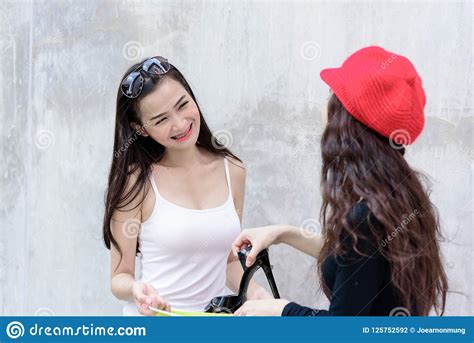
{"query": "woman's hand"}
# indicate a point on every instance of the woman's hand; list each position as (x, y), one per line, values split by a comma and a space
(267, 307)
(146, 295)
(259, 237)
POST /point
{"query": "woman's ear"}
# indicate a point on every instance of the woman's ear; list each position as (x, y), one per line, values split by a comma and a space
(139, 129)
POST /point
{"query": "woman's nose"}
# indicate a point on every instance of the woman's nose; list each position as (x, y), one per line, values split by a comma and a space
(179, 124)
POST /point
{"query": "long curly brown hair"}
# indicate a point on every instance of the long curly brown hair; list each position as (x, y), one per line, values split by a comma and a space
(358, 163)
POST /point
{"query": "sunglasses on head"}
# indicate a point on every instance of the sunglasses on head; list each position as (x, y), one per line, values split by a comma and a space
(132, 84)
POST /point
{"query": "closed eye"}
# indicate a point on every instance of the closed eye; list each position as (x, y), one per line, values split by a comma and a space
(183, 104)
(160, 121)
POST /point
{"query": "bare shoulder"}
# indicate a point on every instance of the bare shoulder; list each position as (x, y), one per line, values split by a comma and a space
(237, 169)
(236, 164)
(237, 173)
(132, 197)
(133, 176)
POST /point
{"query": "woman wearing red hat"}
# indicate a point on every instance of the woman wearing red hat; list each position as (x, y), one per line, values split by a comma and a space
(378, 253)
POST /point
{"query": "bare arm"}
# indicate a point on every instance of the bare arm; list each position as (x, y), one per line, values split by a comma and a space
(125, 226)
(296, 237)
(265, 236)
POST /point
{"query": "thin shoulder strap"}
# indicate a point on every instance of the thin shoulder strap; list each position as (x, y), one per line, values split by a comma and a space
(154, 186)
(227, 174)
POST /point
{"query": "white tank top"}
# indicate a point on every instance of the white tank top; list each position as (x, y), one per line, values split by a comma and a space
(184, 251)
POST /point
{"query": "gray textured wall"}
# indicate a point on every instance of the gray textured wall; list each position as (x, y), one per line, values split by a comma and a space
(254, 68)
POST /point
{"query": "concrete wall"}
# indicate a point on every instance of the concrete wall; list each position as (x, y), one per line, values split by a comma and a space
(255, 70)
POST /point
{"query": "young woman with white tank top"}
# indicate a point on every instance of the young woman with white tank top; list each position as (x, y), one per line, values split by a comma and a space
(175, 197)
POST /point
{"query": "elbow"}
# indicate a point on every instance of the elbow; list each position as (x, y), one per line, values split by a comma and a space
(113, 288)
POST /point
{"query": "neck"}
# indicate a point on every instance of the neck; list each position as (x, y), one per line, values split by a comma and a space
(182, 158)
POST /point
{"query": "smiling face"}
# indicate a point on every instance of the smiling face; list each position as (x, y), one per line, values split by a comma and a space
(170, 116)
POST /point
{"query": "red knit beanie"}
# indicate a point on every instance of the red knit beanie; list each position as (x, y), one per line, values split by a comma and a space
(382, 90)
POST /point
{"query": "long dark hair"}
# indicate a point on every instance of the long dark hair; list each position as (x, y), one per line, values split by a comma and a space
(135, 153)
(358, 163)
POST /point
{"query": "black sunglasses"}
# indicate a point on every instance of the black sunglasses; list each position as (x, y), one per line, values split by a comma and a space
(132, 84)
